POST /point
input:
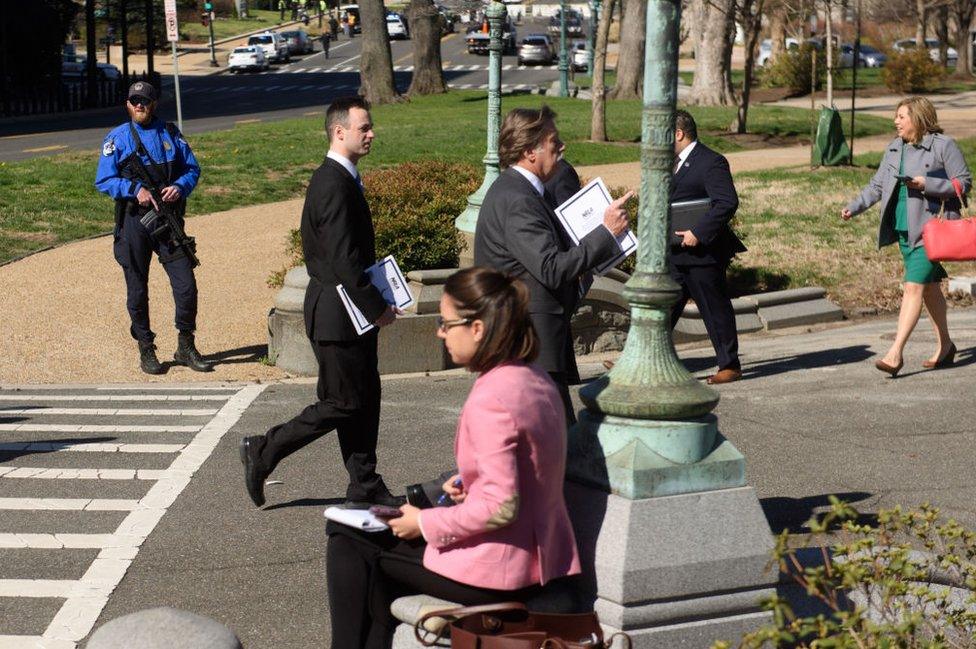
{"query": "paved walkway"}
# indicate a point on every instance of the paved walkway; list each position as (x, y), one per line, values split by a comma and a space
(63, 311)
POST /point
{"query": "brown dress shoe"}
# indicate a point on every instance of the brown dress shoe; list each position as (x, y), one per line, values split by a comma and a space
(725, 376)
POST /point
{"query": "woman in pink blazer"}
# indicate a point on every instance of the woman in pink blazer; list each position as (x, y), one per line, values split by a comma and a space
(508, 536)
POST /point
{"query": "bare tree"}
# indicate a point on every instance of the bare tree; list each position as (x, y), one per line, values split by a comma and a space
(376, 62)
(425, 28)
(598, 120)
(749, 14)
(630, 64)
(962, 13)
(713, 31)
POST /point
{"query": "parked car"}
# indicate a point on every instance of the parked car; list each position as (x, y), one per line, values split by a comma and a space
(396, 26)
(869, 57)
(907, 44)
(766, 49)
(448, 19)
(579, 56)
(352, 10)
(298, 42)
(249, 57)
(75, 67)
(537, 49)
(274, 46)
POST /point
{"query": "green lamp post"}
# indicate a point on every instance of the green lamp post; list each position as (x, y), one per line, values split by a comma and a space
(468, 219)
(563, 53)
(677, 541)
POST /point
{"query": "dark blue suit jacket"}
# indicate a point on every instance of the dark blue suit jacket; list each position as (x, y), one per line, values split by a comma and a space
(706, 174)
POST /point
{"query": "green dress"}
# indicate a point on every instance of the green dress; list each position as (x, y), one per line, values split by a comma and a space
(918, 268)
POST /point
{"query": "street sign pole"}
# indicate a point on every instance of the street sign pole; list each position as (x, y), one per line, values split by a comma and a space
(172, 34)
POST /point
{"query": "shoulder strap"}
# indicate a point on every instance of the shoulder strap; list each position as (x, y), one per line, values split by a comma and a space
(173, 131)
(460, 612)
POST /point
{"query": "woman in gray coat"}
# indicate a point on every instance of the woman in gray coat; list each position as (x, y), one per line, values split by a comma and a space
(913, 182)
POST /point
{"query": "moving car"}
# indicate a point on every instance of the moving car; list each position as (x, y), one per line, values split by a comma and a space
(537, 49)
(574, 24)
(298, 42)
(396, 26)
(477, 40)
(274, 46)
(249, 57)
(906, 44)
(869, 57)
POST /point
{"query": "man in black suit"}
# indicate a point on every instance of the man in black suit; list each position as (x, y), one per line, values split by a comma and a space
(700, 262)
(338, 242)
(518, 233)
(564, 183)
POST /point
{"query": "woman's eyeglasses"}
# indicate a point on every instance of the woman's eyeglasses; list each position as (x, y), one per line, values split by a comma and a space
(443, 325)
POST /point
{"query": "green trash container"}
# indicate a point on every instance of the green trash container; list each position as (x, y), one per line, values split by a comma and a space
(830, 146)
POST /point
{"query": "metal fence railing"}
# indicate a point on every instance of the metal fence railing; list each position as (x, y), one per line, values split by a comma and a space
(69, 96)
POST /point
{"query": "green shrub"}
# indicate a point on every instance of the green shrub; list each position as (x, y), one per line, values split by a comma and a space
(414, 205)
(792, 70)
(912, 71)
(884, 586)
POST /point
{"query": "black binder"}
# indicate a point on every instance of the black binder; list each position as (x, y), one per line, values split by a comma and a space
(685, 215)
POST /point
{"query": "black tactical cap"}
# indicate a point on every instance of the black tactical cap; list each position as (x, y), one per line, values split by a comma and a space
(143, 89)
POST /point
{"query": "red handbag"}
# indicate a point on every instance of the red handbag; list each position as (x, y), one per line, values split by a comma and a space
(509, 625)
(950, 240)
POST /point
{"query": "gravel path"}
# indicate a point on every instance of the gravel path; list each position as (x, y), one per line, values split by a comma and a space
(63, 313)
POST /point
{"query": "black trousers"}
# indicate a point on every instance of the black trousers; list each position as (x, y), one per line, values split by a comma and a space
(133, 249)
(706, 285)
(348, 402)
(367, 571)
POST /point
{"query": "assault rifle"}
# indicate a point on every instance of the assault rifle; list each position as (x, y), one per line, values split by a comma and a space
(159, 221)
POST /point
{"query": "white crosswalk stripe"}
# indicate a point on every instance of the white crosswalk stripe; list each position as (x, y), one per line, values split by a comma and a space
(33, 490)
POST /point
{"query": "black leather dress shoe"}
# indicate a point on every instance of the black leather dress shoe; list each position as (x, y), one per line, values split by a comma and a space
(380, 498)
(254, 473)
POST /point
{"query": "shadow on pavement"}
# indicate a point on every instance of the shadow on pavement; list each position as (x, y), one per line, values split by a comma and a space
(811, 360)
(307, 502)
(249, 354)
(52, 446)
(793, 513)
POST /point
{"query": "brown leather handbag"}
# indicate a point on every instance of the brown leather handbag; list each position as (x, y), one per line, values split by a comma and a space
(509, 625)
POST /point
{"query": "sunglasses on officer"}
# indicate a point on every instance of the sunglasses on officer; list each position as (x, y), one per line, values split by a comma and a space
(140, 101)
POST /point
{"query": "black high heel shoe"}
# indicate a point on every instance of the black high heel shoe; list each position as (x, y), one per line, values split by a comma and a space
(946, 360)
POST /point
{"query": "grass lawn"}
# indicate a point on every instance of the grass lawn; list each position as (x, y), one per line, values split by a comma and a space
(790, 221)
(224, 27)
(843, 80)
(50, 200)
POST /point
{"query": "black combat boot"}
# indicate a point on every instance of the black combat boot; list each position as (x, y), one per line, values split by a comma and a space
(187, 354)
(147, 359)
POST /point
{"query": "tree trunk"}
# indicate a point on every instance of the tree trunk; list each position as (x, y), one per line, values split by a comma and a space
(962, 12)
(376, 62)
(630, 64)
(750, 16)
(942, 33)
(713, 31)
(777, 31)
(921, 11)
(598, 120)
(425, 30)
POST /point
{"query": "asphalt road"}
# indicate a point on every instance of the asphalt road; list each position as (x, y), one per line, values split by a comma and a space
(812, 416)
(304, 86)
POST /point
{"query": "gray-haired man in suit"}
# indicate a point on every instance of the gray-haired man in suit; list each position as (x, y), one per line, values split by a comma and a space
(518, 234)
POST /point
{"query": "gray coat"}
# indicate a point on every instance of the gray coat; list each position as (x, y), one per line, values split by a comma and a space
(938, 159)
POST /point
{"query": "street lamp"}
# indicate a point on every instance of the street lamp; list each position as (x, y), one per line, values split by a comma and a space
(563, 55)
(208, 8)
(468, 219)
(594, 23)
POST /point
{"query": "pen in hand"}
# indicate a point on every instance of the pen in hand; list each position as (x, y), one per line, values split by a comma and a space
(444, 498)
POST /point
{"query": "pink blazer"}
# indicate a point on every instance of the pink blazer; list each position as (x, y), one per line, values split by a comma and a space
(512, 530)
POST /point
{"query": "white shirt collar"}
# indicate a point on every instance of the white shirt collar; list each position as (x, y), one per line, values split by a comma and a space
(532, 178)
(345, 162)
(683, 156)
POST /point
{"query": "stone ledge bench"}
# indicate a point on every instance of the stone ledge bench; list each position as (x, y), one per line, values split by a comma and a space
(408, 610)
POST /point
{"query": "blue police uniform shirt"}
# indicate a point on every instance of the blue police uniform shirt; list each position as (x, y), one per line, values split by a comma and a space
(160, 146)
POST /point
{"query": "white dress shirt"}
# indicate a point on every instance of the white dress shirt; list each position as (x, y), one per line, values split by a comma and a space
(532, 178)
(683, 156)
(347, 164)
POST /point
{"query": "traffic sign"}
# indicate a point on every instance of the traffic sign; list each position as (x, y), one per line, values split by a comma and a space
(172, 31)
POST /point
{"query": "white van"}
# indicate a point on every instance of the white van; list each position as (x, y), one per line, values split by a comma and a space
(274, 46)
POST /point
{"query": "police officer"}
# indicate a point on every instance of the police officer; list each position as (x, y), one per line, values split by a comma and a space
(281, 10)
(165, 154)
